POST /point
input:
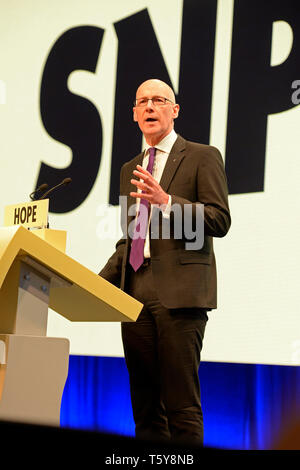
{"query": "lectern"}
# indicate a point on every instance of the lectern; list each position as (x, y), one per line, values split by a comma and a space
(36, 274)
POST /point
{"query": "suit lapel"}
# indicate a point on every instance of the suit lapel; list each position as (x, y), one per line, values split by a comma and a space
(174, 159)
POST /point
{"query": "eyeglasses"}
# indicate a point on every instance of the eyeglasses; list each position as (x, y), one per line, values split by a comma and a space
(156, 101)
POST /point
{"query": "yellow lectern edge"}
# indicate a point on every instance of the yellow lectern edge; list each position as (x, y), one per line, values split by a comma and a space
(19, 240)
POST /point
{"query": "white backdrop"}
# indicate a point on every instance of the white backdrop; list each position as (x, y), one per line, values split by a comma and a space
(258, 318)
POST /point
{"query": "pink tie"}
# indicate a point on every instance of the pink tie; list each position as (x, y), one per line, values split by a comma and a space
(136, 257)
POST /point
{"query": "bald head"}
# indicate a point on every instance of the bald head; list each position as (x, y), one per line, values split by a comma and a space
(161, 88)
(155, 120)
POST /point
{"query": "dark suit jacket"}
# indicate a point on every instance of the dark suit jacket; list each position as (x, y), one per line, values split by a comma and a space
(183, 278)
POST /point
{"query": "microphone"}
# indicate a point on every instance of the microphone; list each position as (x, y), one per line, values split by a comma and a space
(63, 183)
(42, 187)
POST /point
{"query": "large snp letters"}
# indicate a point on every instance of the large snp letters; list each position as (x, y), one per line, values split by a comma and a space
(69, 118)
(140, 58)
(256, 90)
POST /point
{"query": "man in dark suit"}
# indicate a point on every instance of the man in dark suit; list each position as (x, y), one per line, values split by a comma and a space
(174, 278)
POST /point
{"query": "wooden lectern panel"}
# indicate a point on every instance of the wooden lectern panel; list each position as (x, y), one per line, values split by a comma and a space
(84, 297)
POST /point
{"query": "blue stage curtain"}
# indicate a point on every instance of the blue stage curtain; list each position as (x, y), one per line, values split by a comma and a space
(245, 406)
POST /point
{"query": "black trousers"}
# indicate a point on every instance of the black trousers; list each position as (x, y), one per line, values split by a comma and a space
(162, 352)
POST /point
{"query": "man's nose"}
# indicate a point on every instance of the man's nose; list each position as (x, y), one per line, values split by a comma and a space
(150, 104)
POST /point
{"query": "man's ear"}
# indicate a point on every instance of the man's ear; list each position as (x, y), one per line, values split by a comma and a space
(176, 108)
(134, 115)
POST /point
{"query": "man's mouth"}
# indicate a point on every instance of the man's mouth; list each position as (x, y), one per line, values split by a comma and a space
(151, 120)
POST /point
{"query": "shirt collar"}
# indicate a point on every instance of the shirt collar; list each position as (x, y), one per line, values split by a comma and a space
(166, 144)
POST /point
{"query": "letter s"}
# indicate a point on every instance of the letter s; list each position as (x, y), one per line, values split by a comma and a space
(69, 118)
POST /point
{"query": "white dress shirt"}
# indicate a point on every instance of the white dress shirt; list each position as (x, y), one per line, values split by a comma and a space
(163, 148)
